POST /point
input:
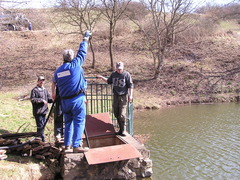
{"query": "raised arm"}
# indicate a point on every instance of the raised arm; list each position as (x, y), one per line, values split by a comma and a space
(82, 51)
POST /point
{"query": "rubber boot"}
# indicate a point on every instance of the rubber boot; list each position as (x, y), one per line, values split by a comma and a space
(124, 133)
(122, 128)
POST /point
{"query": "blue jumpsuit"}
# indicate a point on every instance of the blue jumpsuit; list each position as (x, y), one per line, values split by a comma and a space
(70, 80)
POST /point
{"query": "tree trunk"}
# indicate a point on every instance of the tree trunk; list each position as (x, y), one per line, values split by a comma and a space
(111, 53)
(160, 57)
(110, 45)
(93, 54)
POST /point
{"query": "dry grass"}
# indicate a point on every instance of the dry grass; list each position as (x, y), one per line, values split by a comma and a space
(18, 168)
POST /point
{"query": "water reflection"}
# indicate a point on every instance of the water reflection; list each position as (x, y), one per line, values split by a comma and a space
(193, 142)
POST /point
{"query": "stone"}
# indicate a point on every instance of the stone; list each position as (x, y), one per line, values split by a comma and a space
(75, 165)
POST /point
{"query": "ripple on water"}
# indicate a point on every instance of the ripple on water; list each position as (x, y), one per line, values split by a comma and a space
(197, 142)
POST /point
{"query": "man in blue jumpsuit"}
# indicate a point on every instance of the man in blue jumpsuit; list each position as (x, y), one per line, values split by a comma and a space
(71, 83)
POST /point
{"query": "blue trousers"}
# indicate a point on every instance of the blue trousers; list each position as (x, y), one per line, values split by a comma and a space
(74, 111)
(40, 121)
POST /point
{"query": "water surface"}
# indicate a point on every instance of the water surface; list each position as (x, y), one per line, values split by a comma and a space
(193, 142)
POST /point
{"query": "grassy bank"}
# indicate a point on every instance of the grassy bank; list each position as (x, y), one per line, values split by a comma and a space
(16, 115)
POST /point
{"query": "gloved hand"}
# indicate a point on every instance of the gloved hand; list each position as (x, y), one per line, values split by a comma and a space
(87, 35)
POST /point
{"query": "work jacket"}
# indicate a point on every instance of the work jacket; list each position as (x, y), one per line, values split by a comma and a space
(38, 94)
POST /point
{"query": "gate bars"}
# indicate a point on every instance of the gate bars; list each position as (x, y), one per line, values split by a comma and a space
(99, 99)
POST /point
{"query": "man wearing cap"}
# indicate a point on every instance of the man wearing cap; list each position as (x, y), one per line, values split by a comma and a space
(123, 93)
(69, 78)
(40, 99)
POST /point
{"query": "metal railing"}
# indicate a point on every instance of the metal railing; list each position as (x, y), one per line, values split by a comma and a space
(99, 99)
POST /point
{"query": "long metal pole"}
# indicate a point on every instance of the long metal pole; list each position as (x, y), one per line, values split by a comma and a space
(85, 132)
(50, 112)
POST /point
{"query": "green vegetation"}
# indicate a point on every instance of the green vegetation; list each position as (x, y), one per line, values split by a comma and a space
(16, 116)
(229, 25)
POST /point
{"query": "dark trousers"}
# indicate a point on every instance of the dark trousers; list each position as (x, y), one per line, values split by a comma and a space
(58, 118)
(40, 121)
(120, 109)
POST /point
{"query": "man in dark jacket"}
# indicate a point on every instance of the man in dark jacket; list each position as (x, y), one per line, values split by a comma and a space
(40, 99)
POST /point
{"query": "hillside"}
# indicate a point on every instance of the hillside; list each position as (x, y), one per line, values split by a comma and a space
(194, 72)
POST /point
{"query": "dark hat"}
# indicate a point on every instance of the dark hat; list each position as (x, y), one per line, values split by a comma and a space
(119, 65)
(41, 78)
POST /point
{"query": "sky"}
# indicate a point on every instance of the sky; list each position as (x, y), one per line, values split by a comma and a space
(40, 3)
(29, 3)
(49, 3)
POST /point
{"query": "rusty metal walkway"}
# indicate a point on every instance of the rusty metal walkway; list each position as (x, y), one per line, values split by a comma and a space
(106, 146)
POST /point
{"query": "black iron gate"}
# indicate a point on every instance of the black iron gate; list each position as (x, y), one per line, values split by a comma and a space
(99, 100)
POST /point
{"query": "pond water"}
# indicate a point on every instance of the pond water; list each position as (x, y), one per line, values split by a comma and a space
(193, 142)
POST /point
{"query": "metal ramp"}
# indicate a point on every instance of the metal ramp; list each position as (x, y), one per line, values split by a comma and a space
(105, 145)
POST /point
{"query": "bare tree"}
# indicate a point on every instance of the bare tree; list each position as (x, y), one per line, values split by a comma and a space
(113, 10)
(81, 15)
(229, 11)
(166, 19)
